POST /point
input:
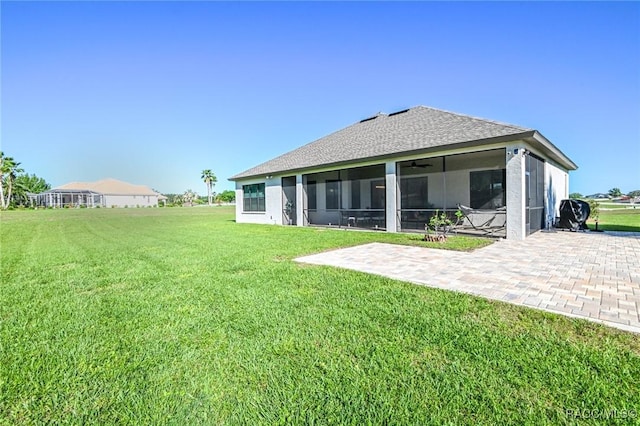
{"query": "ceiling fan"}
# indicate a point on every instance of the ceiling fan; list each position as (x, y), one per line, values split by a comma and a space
(415, 165)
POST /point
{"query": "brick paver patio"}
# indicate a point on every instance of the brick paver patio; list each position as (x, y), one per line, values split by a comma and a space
(589, 275)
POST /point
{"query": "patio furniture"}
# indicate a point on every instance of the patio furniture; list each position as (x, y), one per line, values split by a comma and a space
(485, 221)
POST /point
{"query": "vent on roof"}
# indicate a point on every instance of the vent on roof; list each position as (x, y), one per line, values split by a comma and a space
(368, 119)
(398, 112)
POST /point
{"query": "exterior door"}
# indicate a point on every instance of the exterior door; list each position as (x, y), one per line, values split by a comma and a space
(289, 216)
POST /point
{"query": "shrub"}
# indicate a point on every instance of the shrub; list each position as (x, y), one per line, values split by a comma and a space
(594, 206)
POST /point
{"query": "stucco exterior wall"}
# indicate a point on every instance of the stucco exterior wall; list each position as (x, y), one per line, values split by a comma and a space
(273, 202)
(301, 200)
(391, 197)
(448, 190)
(516, 205)
(556, 189)
(130, 200)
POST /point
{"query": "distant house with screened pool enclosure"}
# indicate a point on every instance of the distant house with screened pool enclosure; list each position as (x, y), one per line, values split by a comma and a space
(103, 193)
(392, 172)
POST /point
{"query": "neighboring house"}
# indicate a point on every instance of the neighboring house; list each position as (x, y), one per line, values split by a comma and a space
(103, 193)
(392, 171)
(625, 199)
(598, 195)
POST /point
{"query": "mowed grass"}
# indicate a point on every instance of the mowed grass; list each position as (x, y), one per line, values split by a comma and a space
(617, 220)
(181, 316)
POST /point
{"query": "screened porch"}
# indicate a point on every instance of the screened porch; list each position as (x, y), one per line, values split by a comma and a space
(357, 197)
(353, 198)
(441, 184)
(58, 198)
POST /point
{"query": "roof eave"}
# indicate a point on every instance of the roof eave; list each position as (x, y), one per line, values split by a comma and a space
(458, 145)
(556, 154)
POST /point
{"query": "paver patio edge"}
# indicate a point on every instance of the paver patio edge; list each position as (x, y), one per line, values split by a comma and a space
(551, 272)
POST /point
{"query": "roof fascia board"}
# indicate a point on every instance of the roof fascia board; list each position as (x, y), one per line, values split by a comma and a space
(557, 155)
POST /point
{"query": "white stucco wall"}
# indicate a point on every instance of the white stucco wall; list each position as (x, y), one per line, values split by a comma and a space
(130, 200)
(391, 197)
(273, 202)
(449, 189)
(301, 201)
(556, 189)
(452, 188)
(516, 203)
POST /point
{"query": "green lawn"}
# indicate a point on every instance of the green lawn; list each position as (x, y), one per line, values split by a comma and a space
(618, 220)
(613, 206)
(181, 316)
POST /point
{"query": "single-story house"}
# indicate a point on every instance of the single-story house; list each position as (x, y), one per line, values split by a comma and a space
(103, 193)
(393, 171)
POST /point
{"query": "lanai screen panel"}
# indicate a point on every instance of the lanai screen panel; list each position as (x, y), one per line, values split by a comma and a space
(353, 197)
(534, 193)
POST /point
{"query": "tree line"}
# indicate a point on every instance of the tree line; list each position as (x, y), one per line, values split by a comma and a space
(16, 184)
(613, 193)
(190, 197)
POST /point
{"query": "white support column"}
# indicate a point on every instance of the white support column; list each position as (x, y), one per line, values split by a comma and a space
(391, 184)
(301, 201)
(239, 201)
(516, 192)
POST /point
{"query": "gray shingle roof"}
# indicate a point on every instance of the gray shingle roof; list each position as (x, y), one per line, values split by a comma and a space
(412, 130)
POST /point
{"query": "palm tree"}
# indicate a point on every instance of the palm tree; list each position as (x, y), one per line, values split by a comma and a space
(188, 197)
(13, 174)
(210, 180)
(3, 167)
(8, 171)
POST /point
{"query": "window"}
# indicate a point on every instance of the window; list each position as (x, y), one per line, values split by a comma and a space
(333, 194)
(378, 194)
(487, 189)
(414, 193)
(311, 195)
(253, 197)
(355, 194)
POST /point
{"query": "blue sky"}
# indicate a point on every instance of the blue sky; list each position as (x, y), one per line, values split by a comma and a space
(155, 92)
